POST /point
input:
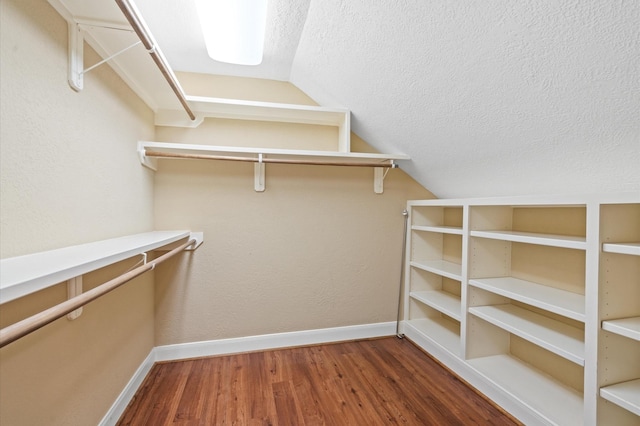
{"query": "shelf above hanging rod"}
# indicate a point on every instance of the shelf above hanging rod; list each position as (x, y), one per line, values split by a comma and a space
(149, 151)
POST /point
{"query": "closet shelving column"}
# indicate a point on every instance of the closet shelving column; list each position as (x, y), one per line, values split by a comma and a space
(526, 305)
(434, 274)
(619, 341)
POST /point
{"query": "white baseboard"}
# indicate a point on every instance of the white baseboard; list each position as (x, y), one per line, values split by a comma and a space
(238, 345)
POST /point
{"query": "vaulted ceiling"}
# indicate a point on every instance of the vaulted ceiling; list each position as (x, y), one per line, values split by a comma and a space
(487, 97)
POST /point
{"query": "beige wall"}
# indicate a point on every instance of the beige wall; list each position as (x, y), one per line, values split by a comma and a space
(69, 174)
(317, 249)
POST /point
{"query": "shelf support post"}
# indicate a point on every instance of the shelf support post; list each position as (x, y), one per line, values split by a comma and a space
(259, 175)
(74, 288)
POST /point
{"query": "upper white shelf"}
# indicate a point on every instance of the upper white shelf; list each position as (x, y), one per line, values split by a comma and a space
(622, 248)
(440, 267)
(293, 154)
(27, 274)
(441, 301)
(534, 238)
(627, 327)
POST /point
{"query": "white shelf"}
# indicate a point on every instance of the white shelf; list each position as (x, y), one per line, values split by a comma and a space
(564, 241)
(27, 274)
(442, 332)
(555, 336)
(622, 248)
(441, 301)
(561, 302)
(626, 395)
(440, 229)
(440, 267)
(560, 404)
(627, 327)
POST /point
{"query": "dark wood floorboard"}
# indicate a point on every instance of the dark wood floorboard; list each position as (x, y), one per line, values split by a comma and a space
(385, 381)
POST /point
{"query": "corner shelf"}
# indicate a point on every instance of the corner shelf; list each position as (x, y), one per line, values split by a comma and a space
(23, 275)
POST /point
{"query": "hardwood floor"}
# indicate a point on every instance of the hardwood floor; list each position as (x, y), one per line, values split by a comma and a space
(368, 382)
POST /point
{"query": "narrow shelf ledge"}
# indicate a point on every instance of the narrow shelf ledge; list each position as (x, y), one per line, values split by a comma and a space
(23, 275)
(554, 336)
(625, 394)
(627, 327)
(561, 302)
(563, 241)
(559, 404)
(441, 301)
(440, 267)
(453, 230)
(622, 248)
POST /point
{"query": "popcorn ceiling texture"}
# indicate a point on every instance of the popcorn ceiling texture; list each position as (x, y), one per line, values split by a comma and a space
(488, 98)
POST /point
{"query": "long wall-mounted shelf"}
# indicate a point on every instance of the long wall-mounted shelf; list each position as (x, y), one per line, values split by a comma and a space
(148, 151)
(23, 275)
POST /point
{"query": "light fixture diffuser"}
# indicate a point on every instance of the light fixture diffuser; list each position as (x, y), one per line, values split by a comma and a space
(233, 30)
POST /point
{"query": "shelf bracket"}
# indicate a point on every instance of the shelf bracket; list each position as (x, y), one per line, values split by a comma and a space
(379, 173)
(74, 288)
(259, 175)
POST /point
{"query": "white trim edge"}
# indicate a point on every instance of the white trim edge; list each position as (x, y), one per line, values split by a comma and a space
(238, 345)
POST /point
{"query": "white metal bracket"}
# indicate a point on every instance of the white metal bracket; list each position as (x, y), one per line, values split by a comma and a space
(74, 288)
(76, 57)
(199, 237)
(259, 175)
(379, 173)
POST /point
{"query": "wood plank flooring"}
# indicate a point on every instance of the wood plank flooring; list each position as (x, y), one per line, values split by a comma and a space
(368, 382)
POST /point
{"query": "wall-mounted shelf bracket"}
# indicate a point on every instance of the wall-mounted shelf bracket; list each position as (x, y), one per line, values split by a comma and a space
(379, 174)
(74, 288)
(259, 171)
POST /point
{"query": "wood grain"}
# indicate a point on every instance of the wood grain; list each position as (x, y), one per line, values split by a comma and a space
(368, 382)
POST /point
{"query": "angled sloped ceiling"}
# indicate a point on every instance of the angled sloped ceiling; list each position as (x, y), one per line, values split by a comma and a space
(488, 98)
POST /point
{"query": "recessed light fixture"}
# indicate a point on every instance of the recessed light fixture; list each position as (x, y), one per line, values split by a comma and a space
(233, 29)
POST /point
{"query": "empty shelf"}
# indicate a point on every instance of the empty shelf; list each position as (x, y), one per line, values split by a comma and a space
(561, 302)
(441, 301)
(622, 248)
(627, 327)
(552, 335)
(440, 267)
(564, 241)
(442, 332)
(556, 402)
(625, 394)
(441, 229)
(27, 274)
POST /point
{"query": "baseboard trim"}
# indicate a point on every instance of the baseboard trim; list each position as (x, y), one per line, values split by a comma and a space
(239, 345)
(118, 407)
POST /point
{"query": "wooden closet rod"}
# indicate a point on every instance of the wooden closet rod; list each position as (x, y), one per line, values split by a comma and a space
(22, 328)
(267, 160)
(134, 18)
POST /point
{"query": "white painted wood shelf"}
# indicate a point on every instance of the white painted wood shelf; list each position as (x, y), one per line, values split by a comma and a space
(627, 327)
(453, 230)
(625, 394)
(552, 240)
(559, 404)
(439, 331)
(622, 248)
(440, 267)
(554, 336)
(23, 275)
(561, 302)
(447, 303)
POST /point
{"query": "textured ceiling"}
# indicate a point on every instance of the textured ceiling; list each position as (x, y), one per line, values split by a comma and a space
(487, 97)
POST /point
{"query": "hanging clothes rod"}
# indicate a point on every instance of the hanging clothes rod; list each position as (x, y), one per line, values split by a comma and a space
(136, 21)
(28, 325)
(263, 159)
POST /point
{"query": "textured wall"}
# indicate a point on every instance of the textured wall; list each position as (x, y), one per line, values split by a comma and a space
(69, 174)
(317, 249)
(488, 98)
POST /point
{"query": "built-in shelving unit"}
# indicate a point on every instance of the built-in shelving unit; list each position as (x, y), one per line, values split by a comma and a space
(23, 275)
(509, 294)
